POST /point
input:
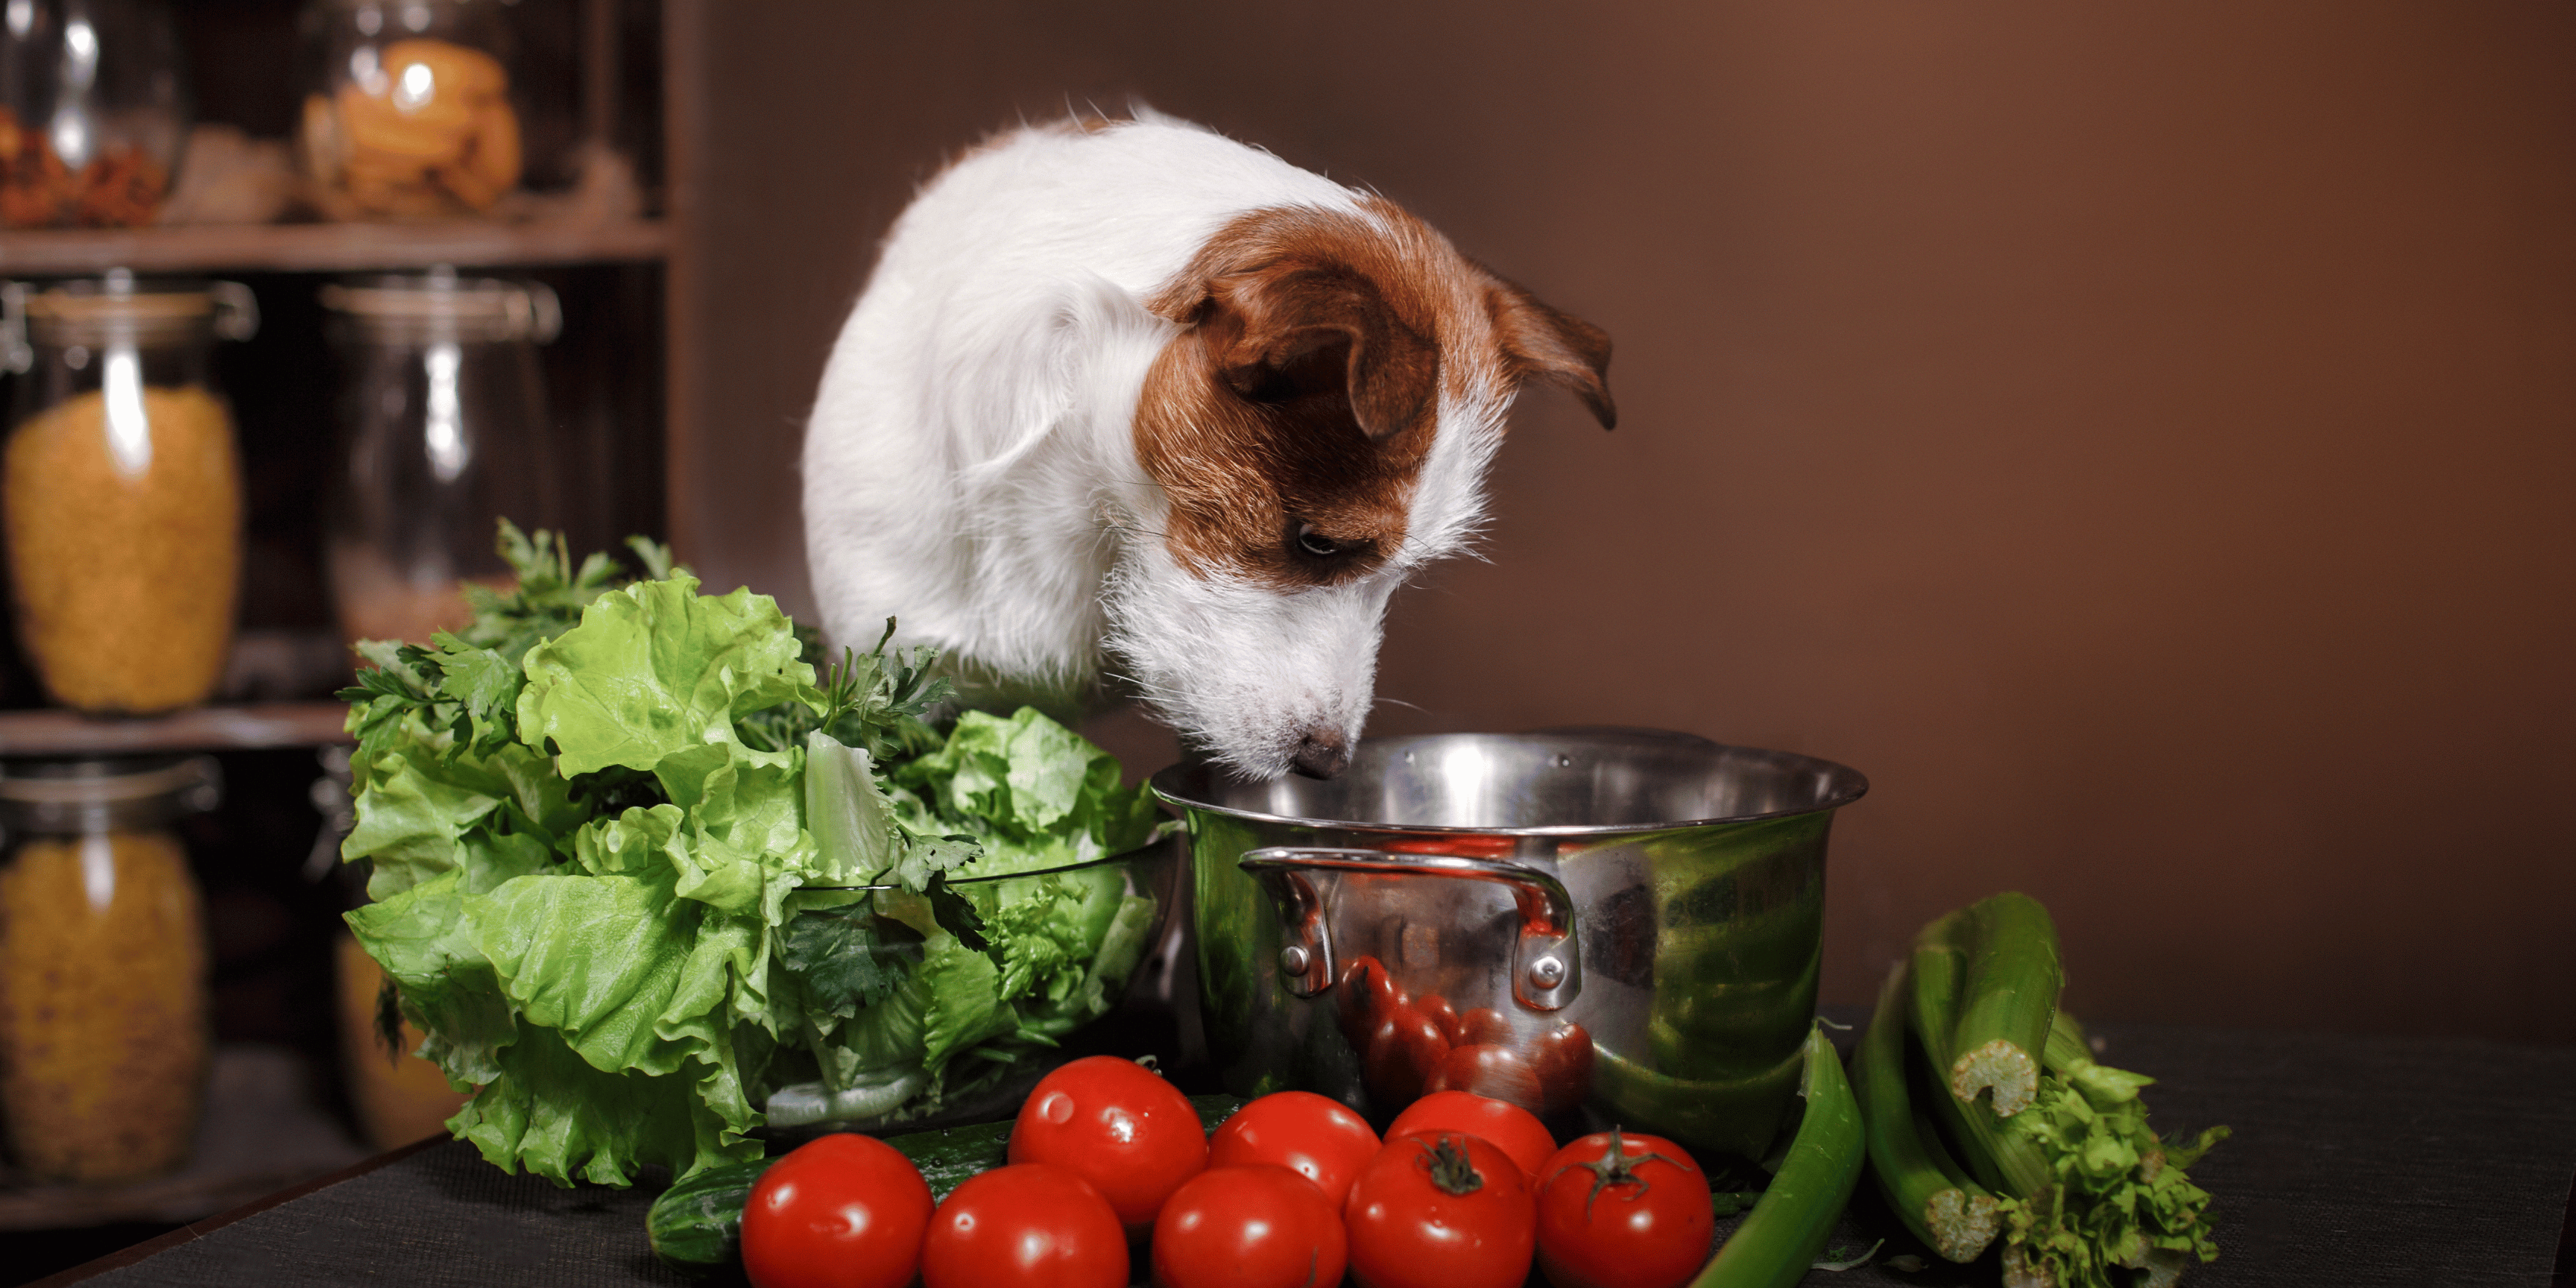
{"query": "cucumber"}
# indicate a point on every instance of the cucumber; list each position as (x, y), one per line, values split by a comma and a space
(1214, 1110)
(1777, 1245)
(949, 1156)
(697, 1223)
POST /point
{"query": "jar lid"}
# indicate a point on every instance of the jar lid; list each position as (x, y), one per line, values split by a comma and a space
(121, 307)
(56, 795)
(444, 306)
(84, 782)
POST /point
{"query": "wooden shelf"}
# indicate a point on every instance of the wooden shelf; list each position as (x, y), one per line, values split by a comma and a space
(329, 248)
(54, 732)
(260, 1132)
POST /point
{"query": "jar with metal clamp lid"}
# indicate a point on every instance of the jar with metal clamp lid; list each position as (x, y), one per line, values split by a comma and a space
(121, 487)
(444, 433)
(103, 1022)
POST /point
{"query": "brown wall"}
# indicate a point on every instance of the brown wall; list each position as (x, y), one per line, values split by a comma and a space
(2142, 438)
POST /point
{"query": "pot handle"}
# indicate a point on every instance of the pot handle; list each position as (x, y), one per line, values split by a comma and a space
(1547, 965)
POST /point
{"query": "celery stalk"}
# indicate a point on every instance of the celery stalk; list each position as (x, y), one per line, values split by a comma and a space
(2067, 1050)
(1929, 1191)
(2007, 996)
(2007, 1164)
(2089, 1196)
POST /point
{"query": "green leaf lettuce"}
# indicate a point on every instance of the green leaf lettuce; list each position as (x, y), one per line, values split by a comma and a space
(637, 875)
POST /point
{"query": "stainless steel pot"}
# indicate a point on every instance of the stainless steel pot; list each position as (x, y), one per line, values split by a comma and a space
(1607, 926)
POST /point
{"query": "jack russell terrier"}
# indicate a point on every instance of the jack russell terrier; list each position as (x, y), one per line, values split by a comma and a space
(1130, 398)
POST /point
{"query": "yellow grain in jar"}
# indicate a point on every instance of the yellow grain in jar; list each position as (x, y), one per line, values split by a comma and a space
(124, 547)
(102, 1005)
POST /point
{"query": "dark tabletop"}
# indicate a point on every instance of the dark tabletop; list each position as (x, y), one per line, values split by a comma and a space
(2355, 1161)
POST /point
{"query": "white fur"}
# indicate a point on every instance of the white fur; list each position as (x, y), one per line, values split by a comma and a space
(971, 467)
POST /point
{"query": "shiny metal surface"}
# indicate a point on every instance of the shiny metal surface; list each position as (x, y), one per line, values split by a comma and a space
(1608, 925)
(1543, 966)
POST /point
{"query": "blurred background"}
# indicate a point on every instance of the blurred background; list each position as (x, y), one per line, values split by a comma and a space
(2141, 440)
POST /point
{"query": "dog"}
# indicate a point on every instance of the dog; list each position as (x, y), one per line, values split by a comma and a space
(1130, 399)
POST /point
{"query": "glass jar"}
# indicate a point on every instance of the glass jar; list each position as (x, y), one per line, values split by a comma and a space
(444, 433)
(121, 487)
(408, 115)
(103, 1023)
(93, 112)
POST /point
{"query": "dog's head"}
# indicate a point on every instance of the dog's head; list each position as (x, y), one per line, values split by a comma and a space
(1317, 430)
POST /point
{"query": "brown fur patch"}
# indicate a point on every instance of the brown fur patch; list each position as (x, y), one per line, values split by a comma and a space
(1544, 343)
(1303, 396)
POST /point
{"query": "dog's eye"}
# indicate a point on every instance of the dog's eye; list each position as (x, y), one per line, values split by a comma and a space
(1316, 543)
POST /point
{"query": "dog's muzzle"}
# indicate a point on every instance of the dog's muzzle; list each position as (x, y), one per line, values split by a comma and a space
(1321, 752)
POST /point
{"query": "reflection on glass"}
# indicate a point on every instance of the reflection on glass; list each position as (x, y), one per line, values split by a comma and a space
(445, 431)
(129, 426)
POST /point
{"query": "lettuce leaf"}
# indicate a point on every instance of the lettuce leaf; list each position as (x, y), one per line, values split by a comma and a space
(422, 811)
(656, 668)
(1031, 792)
(598, 958)
(412, 807)
(744, 811)
(886, 1034)
(965, 1004)
(1039, 927)
(559, 1116)
(421, 938)
(852, 817)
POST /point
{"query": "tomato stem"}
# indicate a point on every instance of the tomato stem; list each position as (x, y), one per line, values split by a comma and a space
(1614, 1168)
(1451, 1169)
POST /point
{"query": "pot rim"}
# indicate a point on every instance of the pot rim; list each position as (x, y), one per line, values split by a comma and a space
(1847, 785)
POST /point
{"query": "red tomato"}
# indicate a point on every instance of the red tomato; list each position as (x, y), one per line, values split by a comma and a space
(1563, 1062)
(1402, 1050)
(1497, 1072)
(1484, 1024)
(1367, 993)
(1620, 1211)
(842, 1211)
(1516, 1131)
(1446, 1210)
(1317, 1138)
(1261, 1226)
(1436, 1009)
(1474, 847)
(1118, 1125)
(1030, 1225)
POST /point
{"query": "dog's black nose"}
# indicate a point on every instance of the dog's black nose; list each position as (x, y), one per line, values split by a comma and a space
(1321, 752)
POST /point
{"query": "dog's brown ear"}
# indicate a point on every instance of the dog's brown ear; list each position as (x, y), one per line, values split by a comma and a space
(1542, 343)
(1292, 332)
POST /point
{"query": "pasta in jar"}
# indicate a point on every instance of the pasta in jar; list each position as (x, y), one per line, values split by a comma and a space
(103, 1023)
